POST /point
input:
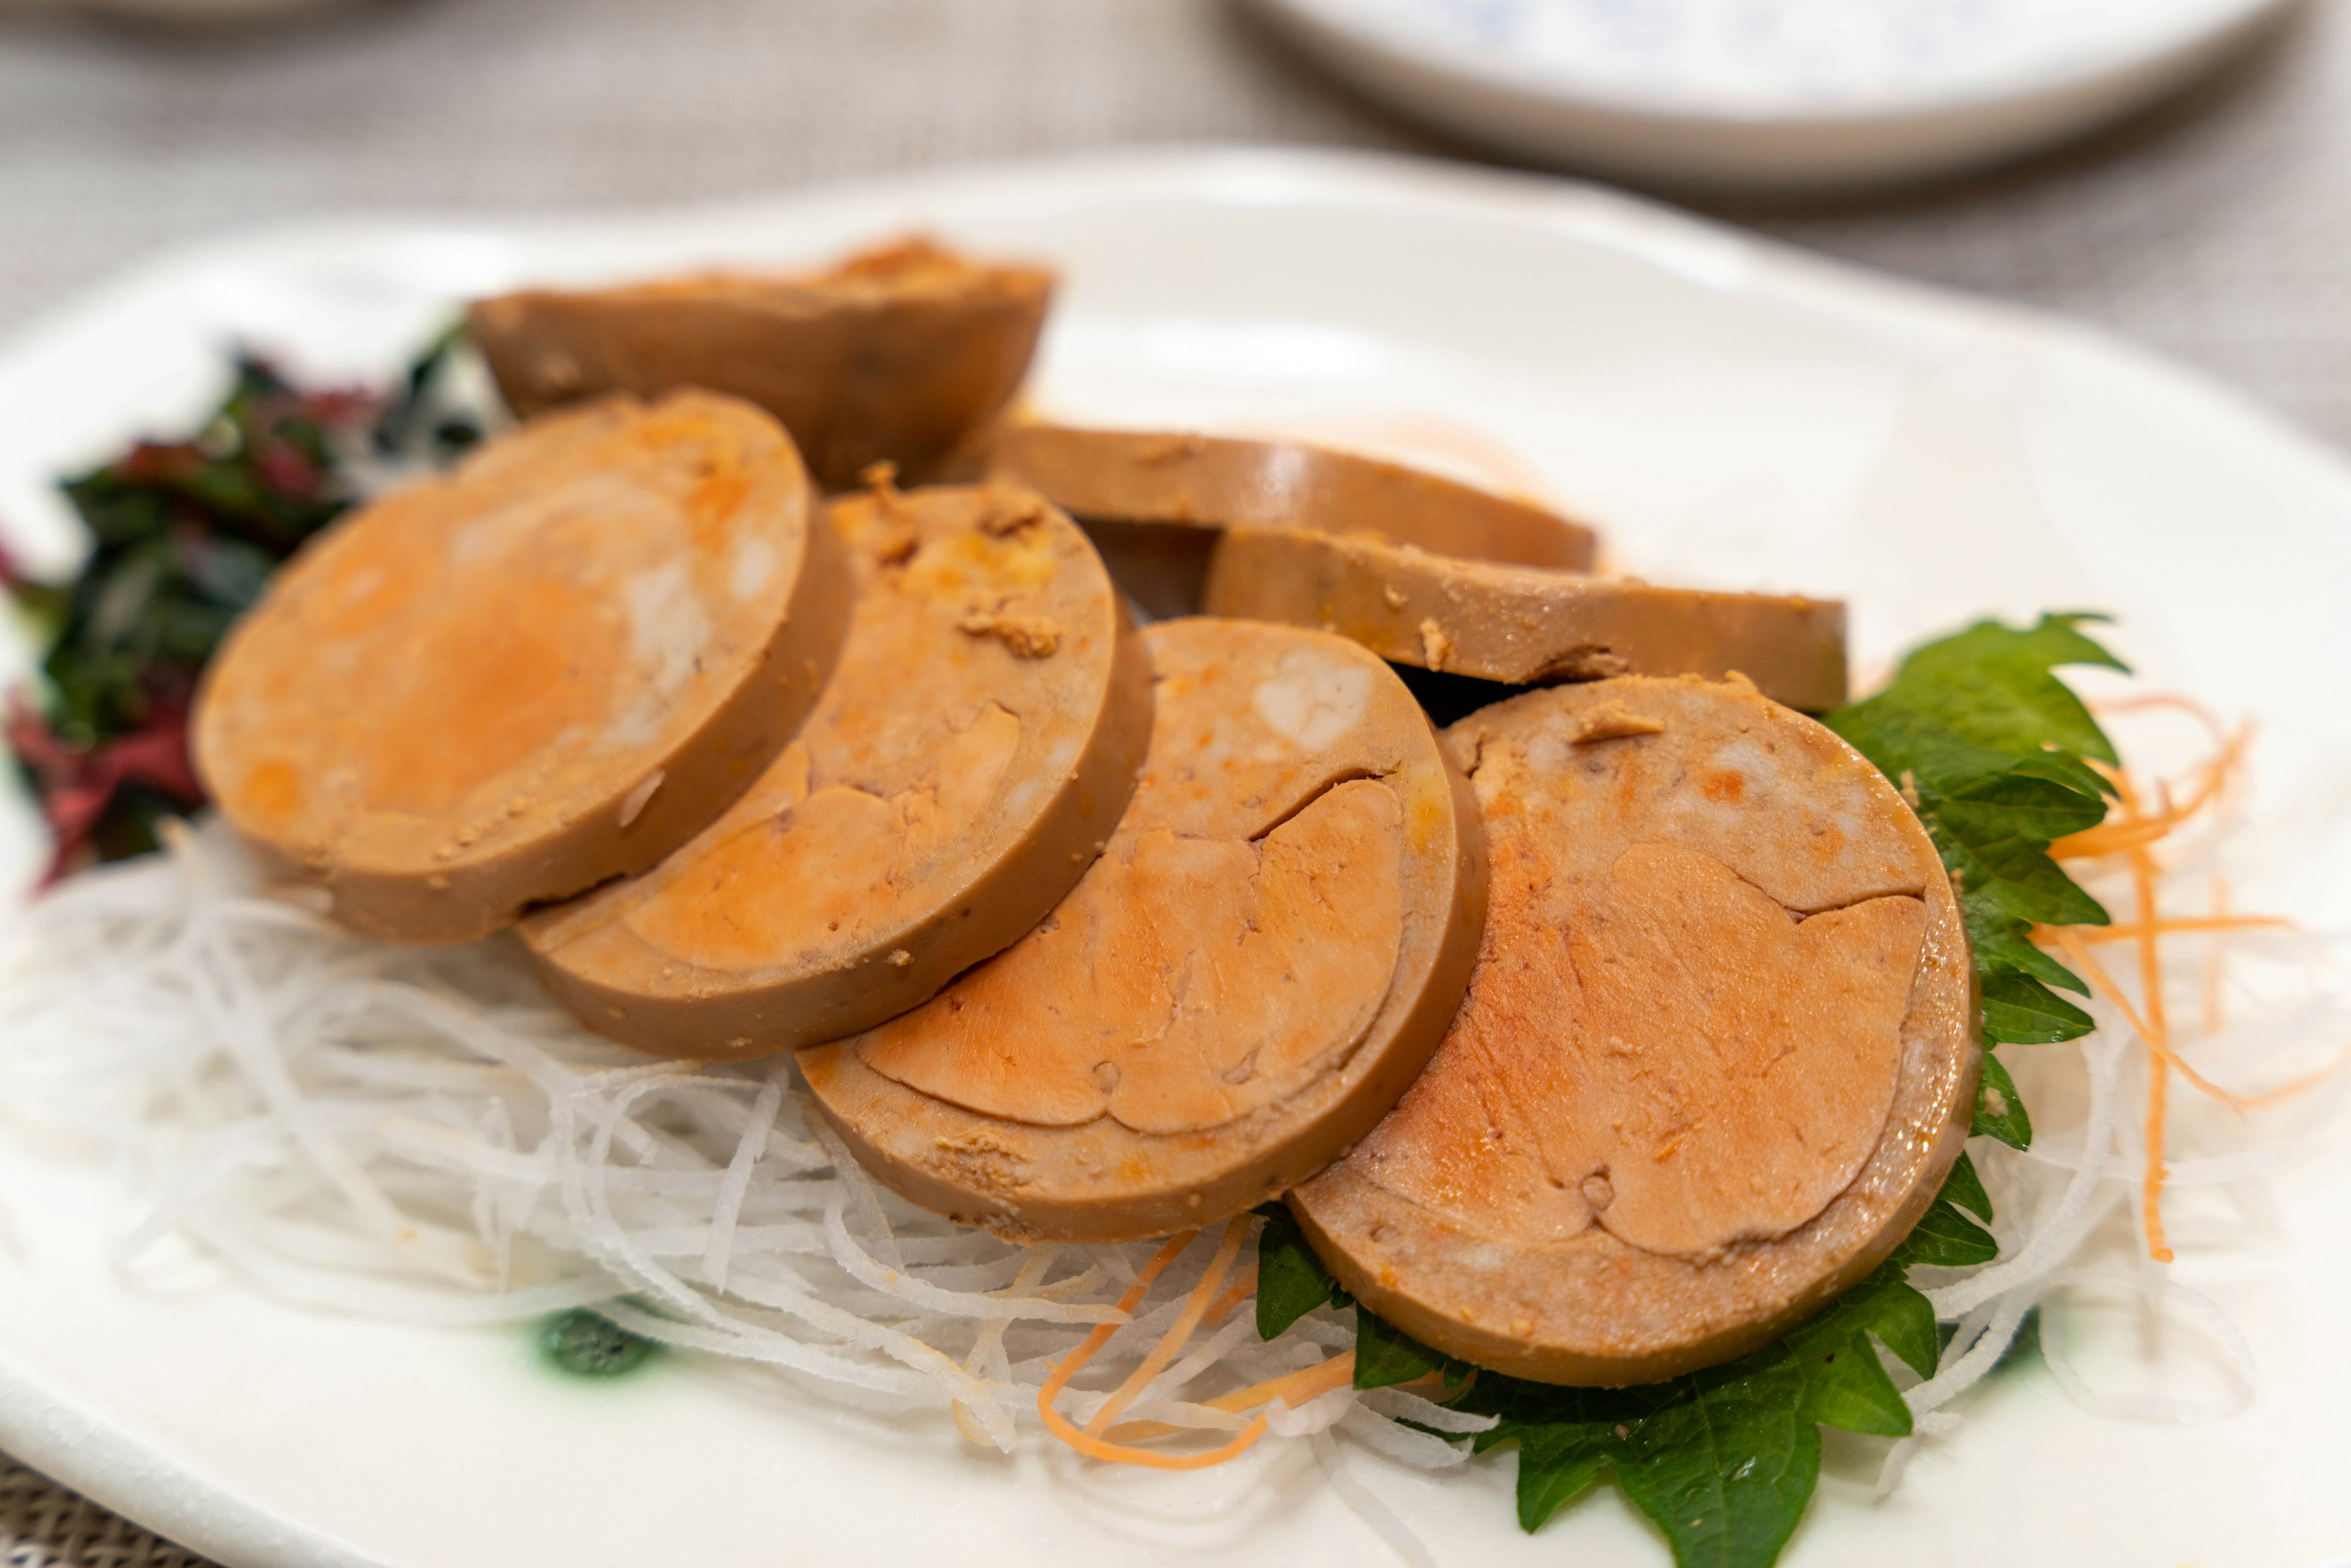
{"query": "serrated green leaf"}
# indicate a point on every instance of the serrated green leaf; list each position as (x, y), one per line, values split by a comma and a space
(2020, 1010)
(1724, 1460)
(1964, 1188)
(1990, 685)
(2065, 769)
(2000, 1109)
(1947, 1238)
(1993, 751)
(1725, 1466)
(1385, 1356)
(2003, 945)
(2016, 877)
(1558, 1462)
(1904, 1321)
(2016, 804)
(1291, 1281)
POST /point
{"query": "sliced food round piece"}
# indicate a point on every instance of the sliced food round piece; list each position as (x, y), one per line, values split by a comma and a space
(1154, 501)
(1525, 626)
(549, 668)
(1215, 482)
(1717, 1058)
(894, 354)
(969, 759)
(1243, 983)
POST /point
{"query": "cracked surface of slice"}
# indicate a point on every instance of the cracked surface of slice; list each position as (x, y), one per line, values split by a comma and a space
(973, 750)
(894, 353)
(1716, 1058)
(1523, 625)
(1240, 987)
(545, 669)
(1152, 502)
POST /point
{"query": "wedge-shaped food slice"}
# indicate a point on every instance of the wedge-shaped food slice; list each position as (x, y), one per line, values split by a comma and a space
(547, 669)
(1242, 986)
(1525, 626)
(969, 759)
(1717, 1058)
(1216, 482)
(1154, 502)
(894, 355)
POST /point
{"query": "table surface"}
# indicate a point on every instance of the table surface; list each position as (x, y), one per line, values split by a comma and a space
(2212, 228)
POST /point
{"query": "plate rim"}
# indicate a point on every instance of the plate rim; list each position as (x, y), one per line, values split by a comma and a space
(84, 1450)
(1506, 73)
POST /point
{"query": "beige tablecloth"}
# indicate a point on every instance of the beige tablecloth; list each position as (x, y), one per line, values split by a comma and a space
(2214, 230)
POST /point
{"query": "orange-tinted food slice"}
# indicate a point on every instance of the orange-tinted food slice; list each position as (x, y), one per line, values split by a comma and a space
(895, 353)
(1152, 502)
(549, 668)
(969, 757)
(1242, 984)
(1718, 1056)
(1525, 626)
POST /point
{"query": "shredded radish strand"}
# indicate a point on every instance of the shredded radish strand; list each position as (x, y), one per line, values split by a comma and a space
(420, 1134)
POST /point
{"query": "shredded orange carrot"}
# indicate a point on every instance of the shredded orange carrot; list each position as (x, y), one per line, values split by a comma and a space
(2068, 937)
(1101, 1440)
(2137, 828)
(1292, 1389)
(1178, 1335)
(2170, 925)
(1240, 1291)
(2158, 1039)
(2132, 834)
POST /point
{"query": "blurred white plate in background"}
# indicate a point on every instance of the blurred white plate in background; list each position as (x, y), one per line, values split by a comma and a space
(1770, 96)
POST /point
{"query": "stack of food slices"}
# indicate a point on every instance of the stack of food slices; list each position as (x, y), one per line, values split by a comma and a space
(786, 694)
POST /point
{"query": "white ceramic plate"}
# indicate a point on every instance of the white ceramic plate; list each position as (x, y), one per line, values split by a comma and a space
(1769, 96)
(1732, 414)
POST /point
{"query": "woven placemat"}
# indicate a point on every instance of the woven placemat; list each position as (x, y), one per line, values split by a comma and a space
(43, 1525)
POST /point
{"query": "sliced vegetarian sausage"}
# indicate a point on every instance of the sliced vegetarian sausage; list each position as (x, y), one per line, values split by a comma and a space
(1526, 626)
(894, 354)
(1240, 987)
(549, 668)
(1717, 1058)
(1152, 502)
(966, 761)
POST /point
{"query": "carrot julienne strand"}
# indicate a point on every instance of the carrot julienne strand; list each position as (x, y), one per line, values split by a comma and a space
(2159, 1090)
(2172, 925)
(1101, 1440)
(2067, 938)
(1240, 1291)
(1178, 1335)
(1292, 1389)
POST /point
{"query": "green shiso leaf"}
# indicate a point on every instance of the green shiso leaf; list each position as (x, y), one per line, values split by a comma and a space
(1386, 1356)
(2000, 1109)
(1994, 752)
(1964, 1188)
(1291, 1281)
(1724, 1460)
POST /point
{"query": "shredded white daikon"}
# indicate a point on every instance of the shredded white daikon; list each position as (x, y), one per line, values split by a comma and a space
(421, 1134)
(418, 1134)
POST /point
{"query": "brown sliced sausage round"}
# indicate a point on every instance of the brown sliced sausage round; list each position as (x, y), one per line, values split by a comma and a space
(1240, 987)
(969, 759)
(1524, 626)
(894, 354)
(1153, 503)
(549, 668)
(1717, 1058)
